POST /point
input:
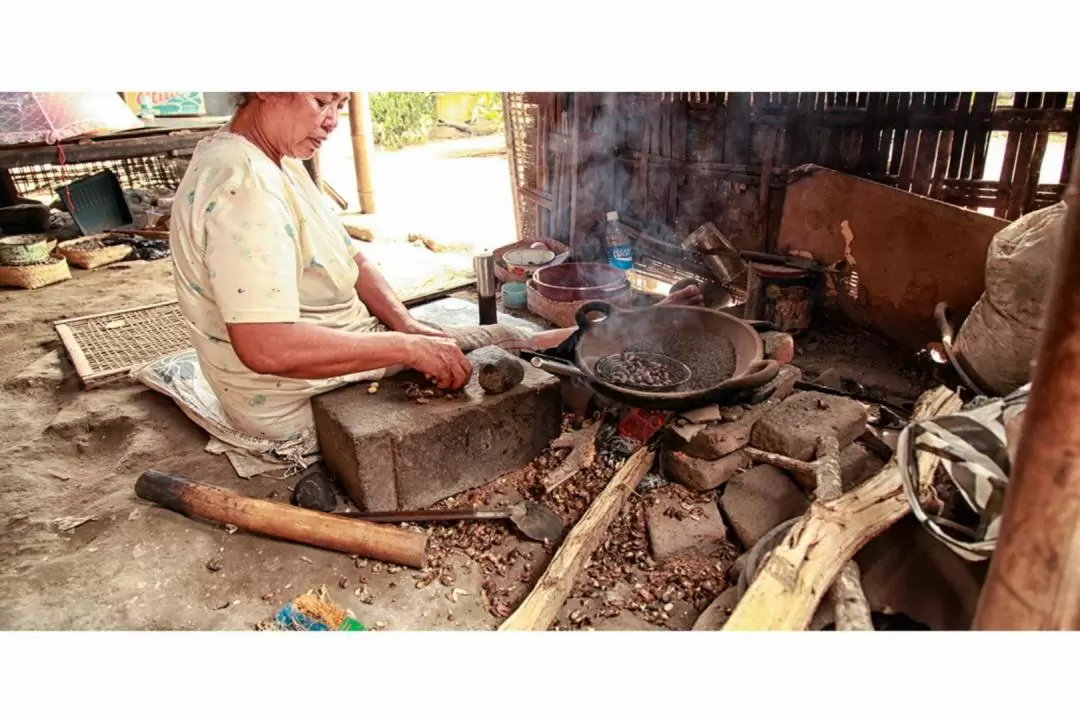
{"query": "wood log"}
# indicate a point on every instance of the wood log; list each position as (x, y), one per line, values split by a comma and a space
(582, 455)
(849, 602)
(542, 605)
(807, 562)
(278, 520)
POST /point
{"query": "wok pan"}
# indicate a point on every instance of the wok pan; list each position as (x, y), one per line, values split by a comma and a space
(723, 353)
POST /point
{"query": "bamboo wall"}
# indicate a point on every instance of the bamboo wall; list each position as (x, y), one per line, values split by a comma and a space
(669, 162)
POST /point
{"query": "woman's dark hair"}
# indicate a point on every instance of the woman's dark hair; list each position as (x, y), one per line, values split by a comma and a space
(241, 99)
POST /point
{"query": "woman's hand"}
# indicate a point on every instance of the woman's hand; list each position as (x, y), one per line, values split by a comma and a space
(440, 359)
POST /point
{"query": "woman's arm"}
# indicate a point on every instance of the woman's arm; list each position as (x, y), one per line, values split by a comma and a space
(379, 297)
(310, 352)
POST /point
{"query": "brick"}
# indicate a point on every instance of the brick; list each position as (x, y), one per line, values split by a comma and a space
(678, 535)
(702, 475)
(758, 500)
(717, 440)
(392, 453)
(792, 427)
(779, 346)
(780, 387)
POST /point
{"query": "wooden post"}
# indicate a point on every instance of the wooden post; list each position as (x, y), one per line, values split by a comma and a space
(1034, 577)
(363, 143)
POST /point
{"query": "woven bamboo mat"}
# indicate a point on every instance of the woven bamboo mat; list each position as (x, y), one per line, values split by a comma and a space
(107, 346)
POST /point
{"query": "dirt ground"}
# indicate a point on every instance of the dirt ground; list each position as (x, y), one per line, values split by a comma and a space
(66, 454)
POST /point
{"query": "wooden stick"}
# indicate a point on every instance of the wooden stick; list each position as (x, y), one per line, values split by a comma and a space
(804, 566)
(324, 530)
(804, 471)
(850, 607)
(581, 456)
(539, 609)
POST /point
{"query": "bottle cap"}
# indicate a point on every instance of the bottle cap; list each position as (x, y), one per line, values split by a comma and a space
(613, 215)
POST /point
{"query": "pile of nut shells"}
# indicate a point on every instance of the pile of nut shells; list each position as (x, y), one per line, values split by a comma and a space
(621, 576)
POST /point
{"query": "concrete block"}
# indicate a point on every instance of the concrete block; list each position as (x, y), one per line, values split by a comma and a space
(392, 453)
(792, 427)
(758, 500)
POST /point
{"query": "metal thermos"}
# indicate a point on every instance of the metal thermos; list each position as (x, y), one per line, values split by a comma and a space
(484, 266)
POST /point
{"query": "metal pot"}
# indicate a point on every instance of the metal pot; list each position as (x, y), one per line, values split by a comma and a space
(574, 282)
(723, 353)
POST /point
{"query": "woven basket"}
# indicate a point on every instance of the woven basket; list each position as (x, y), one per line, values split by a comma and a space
(90, 252)
(19, 250)
(29, 277)
(505, 273)
(561, 314)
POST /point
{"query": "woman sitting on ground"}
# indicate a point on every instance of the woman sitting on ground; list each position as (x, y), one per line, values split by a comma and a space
(281, 303)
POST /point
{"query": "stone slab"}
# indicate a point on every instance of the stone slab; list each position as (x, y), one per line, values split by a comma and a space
(758, 500)
(792, 427)
(392, 453)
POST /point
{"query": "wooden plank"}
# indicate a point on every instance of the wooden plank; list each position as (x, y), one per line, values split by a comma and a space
(1018, 150)
(977, 142)
(911, 252)
(945, 148)
(922, 175)
(737, 137)
(1055, 101)
(899, 120)
(678, 121)
(911, 144)
(871, 135)
(960, 135)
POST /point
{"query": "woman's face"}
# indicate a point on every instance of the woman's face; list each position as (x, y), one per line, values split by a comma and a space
(297, 124)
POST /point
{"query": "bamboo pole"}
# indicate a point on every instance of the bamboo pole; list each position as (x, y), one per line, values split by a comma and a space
(1034, 577)
(363, 143)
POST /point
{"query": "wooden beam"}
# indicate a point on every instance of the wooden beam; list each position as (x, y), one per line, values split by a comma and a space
(99, 150)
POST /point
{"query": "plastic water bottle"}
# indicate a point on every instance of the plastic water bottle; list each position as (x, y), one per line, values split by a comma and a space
(619, 253)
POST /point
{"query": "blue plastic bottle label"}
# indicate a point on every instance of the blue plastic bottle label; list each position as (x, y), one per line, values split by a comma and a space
(621, 257)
